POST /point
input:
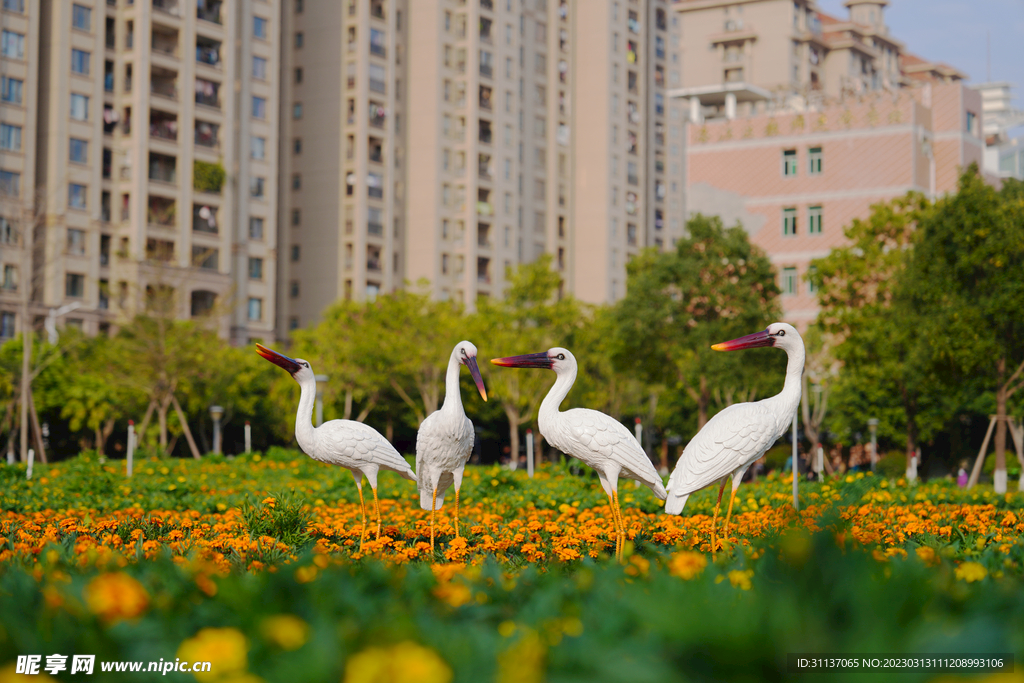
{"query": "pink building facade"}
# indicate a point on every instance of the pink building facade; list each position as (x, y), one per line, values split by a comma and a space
(794, 180)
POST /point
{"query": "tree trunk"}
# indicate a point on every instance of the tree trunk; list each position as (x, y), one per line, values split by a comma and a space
(102, 435)
(141, 431)
(184, 427)
(35, 426)
(999, 476)
(161, 416)
(810, 429)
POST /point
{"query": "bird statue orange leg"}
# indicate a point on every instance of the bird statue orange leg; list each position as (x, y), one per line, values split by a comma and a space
(456, 513)
(714, 519)
(433, 506)
(728, 515)
(376, 510)
(615, 523)
(362, 506)
(621, 544)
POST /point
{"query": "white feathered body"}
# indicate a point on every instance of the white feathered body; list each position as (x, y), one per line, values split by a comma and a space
(444, 445)
(356, 446)
(732, 440)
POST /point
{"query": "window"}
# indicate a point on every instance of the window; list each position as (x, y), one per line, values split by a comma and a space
(259, 27)
(76, 196)
(205, 257)
(297, 111)
(293, 289)
(299, 39)
(76, 242)
(297, 146)
(10, 183)
(15, 6)
(256, 228)
(10, 137)
(80, 62)
(259, 107)
(789, 222)
(255, 308)
(79, 107)
(811, 287)
(6, 325)
(486, 63)
(789, 162)
(12, 45)
(971, 122)
(255, 268)
(789, 285)
(298, 6)
(259, 68)
(11, 90)
(296, 253)
(258, 147)
(79, 151)
(296, 181)
(377, 43)
(10, 277)
(81, 17)
(74, 285)
(814, 160)
(298, 74)
(256, 187)
(814, 220)
(296, 218)
(8, 234)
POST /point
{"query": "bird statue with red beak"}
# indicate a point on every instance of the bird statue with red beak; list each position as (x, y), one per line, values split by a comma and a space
(355, 446)
(740, 434)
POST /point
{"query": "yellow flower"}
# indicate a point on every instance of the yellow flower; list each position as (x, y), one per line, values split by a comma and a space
(740, 578)
(285, 630)
(687, 564)
(224, 648)
(927, 555)
(406, 662)
(116, 595)
(970, 572)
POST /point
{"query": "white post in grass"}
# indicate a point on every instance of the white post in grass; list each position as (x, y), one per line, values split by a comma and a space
(529, 453)
(248, 437)
(10, 454)
(796, 469)
(31, 461)
(820, 463)
(131, 445)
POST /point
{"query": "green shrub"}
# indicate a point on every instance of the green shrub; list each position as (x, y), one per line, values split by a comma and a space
(777, 456)
(893, 465)
(207, 177)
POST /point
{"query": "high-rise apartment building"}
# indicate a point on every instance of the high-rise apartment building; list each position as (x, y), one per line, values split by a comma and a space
(468, 136)
(799, 122)
(155, 163)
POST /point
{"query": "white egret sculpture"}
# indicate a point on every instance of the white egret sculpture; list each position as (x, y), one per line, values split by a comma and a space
(597, 439)
(445, 439)
(355, 446)
(740, 434)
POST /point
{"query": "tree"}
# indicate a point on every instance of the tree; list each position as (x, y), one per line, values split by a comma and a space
(713, 287)
(529, 319)
(885, 372)
(965, 276)
(820, 371)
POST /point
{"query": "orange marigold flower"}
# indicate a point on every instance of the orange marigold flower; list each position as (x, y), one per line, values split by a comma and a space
(927, 555)
(687, 564)
(224, 648)
(116, 595)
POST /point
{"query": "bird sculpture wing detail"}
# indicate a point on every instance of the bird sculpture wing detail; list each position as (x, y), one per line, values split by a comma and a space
(604, 437)
(351, 443)
(732, 439)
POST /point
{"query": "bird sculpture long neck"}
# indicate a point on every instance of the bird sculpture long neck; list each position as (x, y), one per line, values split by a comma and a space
(304, 430)
(557, 394)
(789, 398)
(452, 392)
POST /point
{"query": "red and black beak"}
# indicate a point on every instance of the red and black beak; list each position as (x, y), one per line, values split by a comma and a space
(475, 371)
(278, 359)
(530, 360)
(751, 341)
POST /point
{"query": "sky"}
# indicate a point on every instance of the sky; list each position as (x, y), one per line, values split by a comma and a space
(956, 32)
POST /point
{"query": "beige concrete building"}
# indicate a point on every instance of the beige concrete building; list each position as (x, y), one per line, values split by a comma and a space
(799, 122)
(19, 71)
(469, 136)
(156, 129)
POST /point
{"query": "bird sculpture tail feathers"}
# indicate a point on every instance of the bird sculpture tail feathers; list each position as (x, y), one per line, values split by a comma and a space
(674, 504)
(408, 474)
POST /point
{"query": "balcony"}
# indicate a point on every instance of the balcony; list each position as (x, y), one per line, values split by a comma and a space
(483, 270)
(485, 132)
(160, 250)
(377, 9)
(205, 257)
(164, 83)
(209, 10)
(207, 134)
(204, 218)
(171, 7)
(373, 259)
(162, 168)
(208, 93)
(486, 97)
(208, 52)
(163, 125)
(376, 150)
(165, 42)
(375, 229)
(162, 211)
(378, 115)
